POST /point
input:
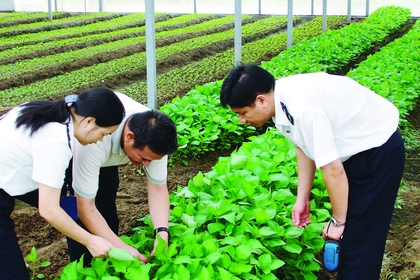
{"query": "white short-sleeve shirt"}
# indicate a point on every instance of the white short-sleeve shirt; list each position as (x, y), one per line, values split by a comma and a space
(29, 160)
(334, 116)
(89, 159)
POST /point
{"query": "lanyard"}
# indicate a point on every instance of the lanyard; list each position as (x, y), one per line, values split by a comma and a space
(68, 135)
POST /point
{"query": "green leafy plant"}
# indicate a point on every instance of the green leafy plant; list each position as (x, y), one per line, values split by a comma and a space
(34, 263)
(118, 265)
(234, 222)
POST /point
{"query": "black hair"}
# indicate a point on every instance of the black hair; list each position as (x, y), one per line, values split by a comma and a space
(101, 103)
(155, 130)
(242, 85)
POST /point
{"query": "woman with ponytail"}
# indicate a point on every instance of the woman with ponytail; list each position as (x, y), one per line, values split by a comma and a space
(36, 143)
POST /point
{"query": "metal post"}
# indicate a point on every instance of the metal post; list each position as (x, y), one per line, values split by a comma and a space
(49, 10)
(367, 7)
(348, 11)
(151, 54)
(100, 5)
(259, 7)
(289, 23)
(195, 6)
(238, 32)
(324, 15)
(312, 7)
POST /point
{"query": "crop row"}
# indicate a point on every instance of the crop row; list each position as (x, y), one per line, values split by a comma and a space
(58, 23)
(331, 52)
(126, 21)
(234, 221)
(30, 51)
(180, 80)
(357, 39)
(40, 67)
(9, 19)
(394, 72)
(136, 64)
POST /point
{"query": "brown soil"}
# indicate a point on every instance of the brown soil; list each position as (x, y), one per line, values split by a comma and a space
(401, 260)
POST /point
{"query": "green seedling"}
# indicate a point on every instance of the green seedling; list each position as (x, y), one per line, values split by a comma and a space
(34, 263)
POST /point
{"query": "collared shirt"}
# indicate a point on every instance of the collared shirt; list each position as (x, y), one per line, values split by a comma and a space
(87, 160)
(334, 116)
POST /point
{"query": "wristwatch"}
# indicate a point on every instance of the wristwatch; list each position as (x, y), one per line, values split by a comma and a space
(159, 229)
(336, 224)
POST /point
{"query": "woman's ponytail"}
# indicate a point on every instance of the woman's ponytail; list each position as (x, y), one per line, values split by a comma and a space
(36, 114)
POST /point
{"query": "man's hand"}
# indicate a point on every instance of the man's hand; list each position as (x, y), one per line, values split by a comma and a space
(306, 171)
(165, 237)
(300, 213)
(332, 232)
(135, 253)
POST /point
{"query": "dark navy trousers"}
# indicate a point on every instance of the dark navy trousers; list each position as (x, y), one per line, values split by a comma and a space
(374, 178)
(12, 264)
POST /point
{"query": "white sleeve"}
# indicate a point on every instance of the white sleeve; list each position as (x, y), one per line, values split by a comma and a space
(87, 161)
(157, 170)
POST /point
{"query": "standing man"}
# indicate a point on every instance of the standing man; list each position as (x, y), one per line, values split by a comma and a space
(346, 130)
(145, 137)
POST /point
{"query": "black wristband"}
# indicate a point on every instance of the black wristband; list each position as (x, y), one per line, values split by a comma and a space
(159, 229)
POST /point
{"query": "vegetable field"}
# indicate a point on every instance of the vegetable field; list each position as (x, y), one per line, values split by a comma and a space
(232, 187)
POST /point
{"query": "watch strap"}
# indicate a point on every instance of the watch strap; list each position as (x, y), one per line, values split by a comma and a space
(337, 224)
(159, 229)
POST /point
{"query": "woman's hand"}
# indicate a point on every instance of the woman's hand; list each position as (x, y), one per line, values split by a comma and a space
(99, 246)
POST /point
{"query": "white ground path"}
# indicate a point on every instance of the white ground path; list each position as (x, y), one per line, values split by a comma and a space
(268, 7)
